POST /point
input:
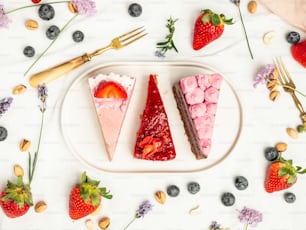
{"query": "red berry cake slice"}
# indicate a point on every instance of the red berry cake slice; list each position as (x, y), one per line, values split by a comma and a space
(197, 100)
(111, 95)
(154, 141)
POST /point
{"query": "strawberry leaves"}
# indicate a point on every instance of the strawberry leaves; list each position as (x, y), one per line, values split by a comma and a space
(90, 192)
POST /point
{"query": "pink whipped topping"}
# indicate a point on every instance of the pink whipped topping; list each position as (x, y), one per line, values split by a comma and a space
(211, 108)
(194, 97)
(202, 94)
(208, 80)
(205, 119)
(211, 95)
(205, 131)
(206, 145)
(188, 84)
(197, 110)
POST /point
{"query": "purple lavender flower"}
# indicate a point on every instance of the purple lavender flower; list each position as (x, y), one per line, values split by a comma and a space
(159, 54)
(143, 209)
(214, 226)
(5, 103)
(85, 7)
(42, 95)
(250, 216)
(236, 2)
(263, 75)
(4, 20)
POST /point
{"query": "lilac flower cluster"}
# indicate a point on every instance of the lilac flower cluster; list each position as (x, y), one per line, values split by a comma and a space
(4, 20)
(143, 209)
(5, 103)
(85, 7)
(42, 95)
(263, 75)
(214, 226)
(250, 216)
(236, 2)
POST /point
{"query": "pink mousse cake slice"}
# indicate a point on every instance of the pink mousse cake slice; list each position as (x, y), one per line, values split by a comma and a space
(197, 100)
(111, 95)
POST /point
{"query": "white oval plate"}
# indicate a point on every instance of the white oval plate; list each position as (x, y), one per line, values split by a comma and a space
(82, 134)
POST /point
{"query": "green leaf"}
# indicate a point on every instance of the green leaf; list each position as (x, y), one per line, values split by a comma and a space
(291, 179)
(216, 20)
(162, 43)
(206, 18)
(83, 177)
(95, 199)
(283, 172)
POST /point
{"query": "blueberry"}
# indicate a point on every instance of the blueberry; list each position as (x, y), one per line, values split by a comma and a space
(135, 10)
(52, 32)
(29, 51)
(293, 37)
(271, 154)
(289, 197)
(241, 183)
(228, 199)
(3, 133)
(46, 12)
(193, 187)
(173, 190)
(78, 36)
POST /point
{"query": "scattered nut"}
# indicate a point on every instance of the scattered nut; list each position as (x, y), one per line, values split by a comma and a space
(274, 75)
(268, 37)
(195, 210)
(40, 206)
(24, 145)
(19, 89)
(89, 224)
(272, 85)
(274, 95)
(18, 170)
(104, 223)
(72, 7)
(293, 133)
(252, 7)
(97, 211)
(160, 197)
(31, 24)
(281, 146)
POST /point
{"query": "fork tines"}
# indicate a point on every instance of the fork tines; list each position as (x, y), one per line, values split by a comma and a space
(132, 36)
(283, 72)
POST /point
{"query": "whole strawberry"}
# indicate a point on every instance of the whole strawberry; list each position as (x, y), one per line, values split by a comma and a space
(16, 199)
(208, 27)
(281, 175)
(85, 198)
(298, 52)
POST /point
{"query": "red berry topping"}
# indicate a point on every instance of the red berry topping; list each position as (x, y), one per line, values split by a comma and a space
(36, 1)
(110, 89)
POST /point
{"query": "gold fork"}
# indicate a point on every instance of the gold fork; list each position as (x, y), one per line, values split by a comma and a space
(288, 85)
(55, 72)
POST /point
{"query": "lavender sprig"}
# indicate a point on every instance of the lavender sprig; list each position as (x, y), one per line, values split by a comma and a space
(237, 3)
(142, 210)
(5, 103)
(42, 96)
(264, 76)
(250, 217)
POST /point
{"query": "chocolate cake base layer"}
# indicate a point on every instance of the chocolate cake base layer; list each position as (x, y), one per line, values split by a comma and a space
(188, 123)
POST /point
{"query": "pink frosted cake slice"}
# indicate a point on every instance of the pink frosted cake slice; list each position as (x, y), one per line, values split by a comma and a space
(111, 95)
(197, 100)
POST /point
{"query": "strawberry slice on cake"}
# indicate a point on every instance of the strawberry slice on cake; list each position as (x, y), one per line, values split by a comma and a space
(111, 95)
(154, 141)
